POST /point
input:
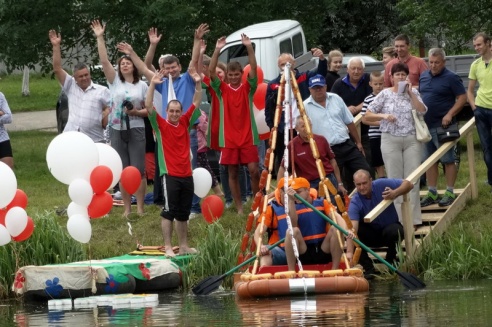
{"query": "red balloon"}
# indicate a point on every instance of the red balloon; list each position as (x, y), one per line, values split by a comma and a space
(130, 179)
(3, 213)
(100, 205)
(101, 179)
(259, 97)
(212, 208)
(259, 74)
(26, 233)
(19, 200)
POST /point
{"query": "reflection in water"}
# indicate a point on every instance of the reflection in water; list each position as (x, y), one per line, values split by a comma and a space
(387, 304)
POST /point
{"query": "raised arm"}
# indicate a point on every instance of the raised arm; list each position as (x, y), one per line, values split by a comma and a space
(142, 68)
(154, 39)
(195, 54)
(197, 97)
(322, 65)
(221, 42)
(55, 39)
(108, 69)
(251, 55)
(149, 98)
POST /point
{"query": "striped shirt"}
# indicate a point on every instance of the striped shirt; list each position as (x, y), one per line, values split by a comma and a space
(374, 131)
(6, 118)
(85, 108)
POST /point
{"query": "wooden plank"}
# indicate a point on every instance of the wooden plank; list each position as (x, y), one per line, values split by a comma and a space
(457, 191)
(431, 217)
(433, 207)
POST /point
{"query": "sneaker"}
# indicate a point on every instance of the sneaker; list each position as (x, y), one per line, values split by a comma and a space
(429, 199)
(228, 205)
(117, 196)
(447, 199)
(193, 215)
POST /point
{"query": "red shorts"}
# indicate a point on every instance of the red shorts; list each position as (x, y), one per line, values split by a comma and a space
(239, 156)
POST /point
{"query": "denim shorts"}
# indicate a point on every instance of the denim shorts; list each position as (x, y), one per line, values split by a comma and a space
(278, 256)
(432, 146)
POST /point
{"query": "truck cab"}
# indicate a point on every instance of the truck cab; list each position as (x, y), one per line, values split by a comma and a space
(269, 40)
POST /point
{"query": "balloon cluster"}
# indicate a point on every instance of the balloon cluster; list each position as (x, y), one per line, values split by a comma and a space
(14, 222)
(89, 169)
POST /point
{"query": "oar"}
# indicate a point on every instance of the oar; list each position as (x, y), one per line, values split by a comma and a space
(408, 280)
(210, 284)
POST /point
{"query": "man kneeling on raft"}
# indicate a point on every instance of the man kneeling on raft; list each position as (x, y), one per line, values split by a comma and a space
(316, 242)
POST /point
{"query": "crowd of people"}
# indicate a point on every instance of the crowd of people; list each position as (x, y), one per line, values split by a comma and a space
(386, 148)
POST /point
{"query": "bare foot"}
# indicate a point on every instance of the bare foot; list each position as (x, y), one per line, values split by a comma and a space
(126, 214)
(170, 252)
(187, 250)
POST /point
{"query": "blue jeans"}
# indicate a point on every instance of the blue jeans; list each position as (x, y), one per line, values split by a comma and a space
(483, 119)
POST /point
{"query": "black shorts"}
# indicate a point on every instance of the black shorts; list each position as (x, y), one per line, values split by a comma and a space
(377, 157)
(314, 255)
(178, 192)
(5, 149)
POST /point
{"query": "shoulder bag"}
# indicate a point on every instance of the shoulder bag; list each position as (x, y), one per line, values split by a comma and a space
(421, 130)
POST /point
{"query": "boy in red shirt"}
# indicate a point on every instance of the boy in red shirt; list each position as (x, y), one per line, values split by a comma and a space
(173, 138)
(238, 135)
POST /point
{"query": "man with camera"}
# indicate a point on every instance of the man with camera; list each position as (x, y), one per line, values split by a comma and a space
(87, 102)
(444, 94)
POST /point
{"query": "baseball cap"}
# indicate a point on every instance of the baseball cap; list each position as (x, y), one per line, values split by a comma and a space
(317, 80)
(300, 182)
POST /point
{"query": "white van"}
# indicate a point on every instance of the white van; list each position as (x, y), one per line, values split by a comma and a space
(270, 39)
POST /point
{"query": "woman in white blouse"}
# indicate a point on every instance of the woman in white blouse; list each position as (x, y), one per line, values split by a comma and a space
(5, 147)
(402, 153)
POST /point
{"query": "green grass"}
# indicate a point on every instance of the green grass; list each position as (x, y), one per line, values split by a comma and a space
(44, 92)
(464, 251)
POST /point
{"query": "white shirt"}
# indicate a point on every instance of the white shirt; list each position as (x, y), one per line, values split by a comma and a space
(85, 108)
(6, 118)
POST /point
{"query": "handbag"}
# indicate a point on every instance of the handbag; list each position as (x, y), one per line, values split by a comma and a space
(421, 130)
(448, 134)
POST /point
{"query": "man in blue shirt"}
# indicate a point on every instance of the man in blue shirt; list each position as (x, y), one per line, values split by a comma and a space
(444, 94)
(385, 230)
(331, 118)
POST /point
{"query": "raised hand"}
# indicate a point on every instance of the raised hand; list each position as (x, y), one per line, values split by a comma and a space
(192, 71)
(245, 39)
(221, 42)
(55, 38)
(98, 28)
(125, 48)
(154, 37)
(158, 76)
(203, 47)
(201, 31)
(317, 52)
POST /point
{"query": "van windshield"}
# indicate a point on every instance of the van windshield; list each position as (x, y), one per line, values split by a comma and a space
(236, 52)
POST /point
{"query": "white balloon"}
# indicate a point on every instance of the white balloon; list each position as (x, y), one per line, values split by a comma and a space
(5, 237)
(79, 227)
(74, 209)
(16, 221)
(110, 158)
(8, 185)
(72, 155)
(202, 181)
(261, 124)
(80, 192)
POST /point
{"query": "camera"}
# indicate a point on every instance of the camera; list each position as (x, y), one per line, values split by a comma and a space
(127, 104)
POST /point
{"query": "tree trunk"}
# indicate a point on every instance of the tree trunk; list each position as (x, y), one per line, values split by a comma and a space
(25, 82)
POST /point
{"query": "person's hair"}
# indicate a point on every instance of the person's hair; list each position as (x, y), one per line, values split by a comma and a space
(170, 59)
(174, 101)
(206, 60)
(234, 66)
(222, 66)
(485, 36)
(79, 66)
(390, 51)
(434, 52)
(136, 75)
(362, 171)
(399, 67)
(300, 119)
(286, 55)
(403, 37)
(332, 54)
(376, 74)
(161, 59)
(354, 59)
